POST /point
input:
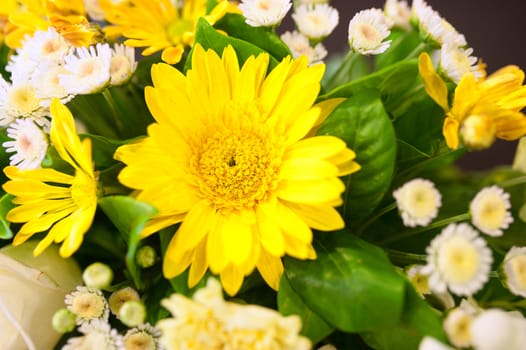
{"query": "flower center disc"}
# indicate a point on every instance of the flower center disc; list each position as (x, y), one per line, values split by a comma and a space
(235, 169)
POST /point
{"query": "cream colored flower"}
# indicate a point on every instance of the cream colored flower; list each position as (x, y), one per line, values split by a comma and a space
(121, 296)
(418, 202)
(514, 268)
(299, 45)
(368, 30)
(209, 322)
(97, 335)
(458, 260)
(457, 325)
(20, 100)
(419, 280)
(31, 290)
(97, 275)
(122, 64)
(264, 13)
(143, 337)
(490, 211)
(316, 21)
(430, 343)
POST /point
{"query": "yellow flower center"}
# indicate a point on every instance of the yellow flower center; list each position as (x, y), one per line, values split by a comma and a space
(88, 305)
(23, 99)
(518, 266)
(139, 341)
(235, 168)
(478, 131)
(459, 260)
(370, 33)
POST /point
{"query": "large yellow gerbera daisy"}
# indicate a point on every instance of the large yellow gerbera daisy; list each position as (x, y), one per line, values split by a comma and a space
(68, 17)
(229, 157)
(48, 198)
(482, 109)
(159, 25)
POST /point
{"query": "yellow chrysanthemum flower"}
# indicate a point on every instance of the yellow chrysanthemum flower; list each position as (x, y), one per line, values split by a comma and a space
(6, 7)
(228, 157)
(47, 198)
(160, 25)
(482, 109)
(68, 17)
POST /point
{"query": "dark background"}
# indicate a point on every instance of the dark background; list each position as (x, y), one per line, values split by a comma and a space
(496, 30)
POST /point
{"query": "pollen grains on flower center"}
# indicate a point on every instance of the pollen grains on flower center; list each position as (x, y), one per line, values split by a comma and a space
(235, 168)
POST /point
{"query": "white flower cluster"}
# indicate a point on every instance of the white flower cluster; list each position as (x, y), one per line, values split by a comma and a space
(453, 58)
(368, 31)
(46, 66)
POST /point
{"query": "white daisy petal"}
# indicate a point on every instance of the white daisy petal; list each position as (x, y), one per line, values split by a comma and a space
(122, 64)
(299, 45)
(398, 13)
(490, 211)
(455, 62)
(96, 335)
(418, 202)
(457, 325)
(458, 259)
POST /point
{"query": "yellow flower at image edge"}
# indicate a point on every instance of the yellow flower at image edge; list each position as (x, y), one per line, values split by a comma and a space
(482, 109)
(229, 158)
(46, 198)
(160, 25)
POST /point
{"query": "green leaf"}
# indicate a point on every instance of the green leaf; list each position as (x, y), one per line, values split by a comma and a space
(5, 206)
(418, 320)
(129, 216)
(210, 38)
(362, 122)
(351, 284)
(392, 80)
(290, 303)
(103, 149)
(264, 38)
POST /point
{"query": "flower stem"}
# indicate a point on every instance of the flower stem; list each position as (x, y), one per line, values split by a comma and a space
(416, 51)
(409, 233)
(373, 218)
(341, 76)
(405, 258)
(114, 110)
(513, 182)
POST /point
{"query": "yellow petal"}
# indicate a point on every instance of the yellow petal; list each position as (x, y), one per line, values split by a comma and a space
(271, 237)
(450, 130)
(172, 55)
(43, 175)
(231, 279)
(199, 264)
(166, 76)
(215, 249)
(466, 96)
(435, 87)
(310, 191)
(237, 239)
(292, 225)
(270, 268)
(34, 210)
(43, 222)
(196, 225)
(307, 169)
(323, 218)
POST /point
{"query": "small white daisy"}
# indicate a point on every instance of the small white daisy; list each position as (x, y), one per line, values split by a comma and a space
(143, 337)
(368, 30)
(398, 13)
(514, 270)
(455, 62)
(122, 64)
(121, 296)
(299, 45)
(419, 280)
(316, 21)
(87, 69)
(88, 304)
(264, 13)
(490, 211)
(458, 259)
(29, 144)
(97, 335)
(435, 28)
(46, 79)
(20, 100)
(430, 343)
(457, 325)
(496, 329)
(418, 202)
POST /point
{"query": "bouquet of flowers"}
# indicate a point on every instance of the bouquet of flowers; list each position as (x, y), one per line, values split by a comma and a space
(230, 185)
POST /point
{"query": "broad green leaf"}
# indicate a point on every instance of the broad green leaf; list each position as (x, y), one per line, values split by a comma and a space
(290, 303)
(418, 320)
(129, 216)
(392, 80)
(264, 38)
(362, 122)
(210, 38)
(5, 206)
(352, 285)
